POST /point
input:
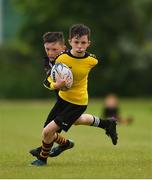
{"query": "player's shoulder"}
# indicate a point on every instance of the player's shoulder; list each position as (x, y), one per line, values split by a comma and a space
(62, 53)
(92, 55)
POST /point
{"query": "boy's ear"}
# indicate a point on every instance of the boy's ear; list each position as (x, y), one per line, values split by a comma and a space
(89, 43)
(69, 41)
(64, 47)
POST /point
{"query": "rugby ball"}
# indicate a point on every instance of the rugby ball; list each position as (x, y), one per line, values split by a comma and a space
(62, 70)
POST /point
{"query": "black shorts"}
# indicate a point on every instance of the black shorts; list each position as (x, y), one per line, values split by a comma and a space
(65, 114)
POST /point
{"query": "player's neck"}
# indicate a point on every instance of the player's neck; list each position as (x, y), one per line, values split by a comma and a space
(77, 54)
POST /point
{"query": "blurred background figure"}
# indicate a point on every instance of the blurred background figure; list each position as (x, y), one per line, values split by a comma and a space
(111, 109)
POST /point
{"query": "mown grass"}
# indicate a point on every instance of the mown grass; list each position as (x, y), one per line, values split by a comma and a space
(93, 156)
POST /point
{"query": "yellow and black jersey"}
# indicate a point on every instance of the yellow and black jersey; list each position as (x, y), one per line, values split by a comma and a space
(80, 67)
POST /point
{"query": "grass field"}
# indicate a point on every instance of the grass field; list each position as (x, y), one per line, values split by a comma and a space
(93, 156)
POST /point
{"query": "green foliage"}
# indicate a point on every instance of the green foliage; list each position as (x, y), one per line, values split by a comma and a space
(121, 32)
(21, 74)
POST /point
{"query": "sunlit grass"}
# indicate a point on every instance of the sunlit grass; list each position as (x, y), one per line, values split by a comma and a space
(93, 156)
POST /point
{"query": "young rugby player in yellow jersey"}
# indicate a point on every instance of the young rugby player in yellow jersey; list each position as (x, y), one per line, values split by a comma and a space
(71, 104)
(54, 44)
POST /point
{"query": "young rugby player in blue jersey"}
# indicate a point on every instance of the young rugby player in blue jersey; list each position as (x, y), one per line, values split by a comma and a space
(71, 104)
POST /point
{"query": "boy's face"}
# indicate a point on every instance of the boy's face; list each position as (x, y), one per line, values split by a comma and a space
(79, 44)
(53, 49)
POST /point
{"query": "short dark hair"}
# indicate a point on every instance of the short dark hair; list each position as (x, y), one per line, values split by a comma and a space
(50, 37)
(79, 30)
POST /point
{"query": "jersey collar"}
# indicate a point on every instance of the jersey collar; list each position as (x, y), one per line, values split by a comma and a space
(69, 53)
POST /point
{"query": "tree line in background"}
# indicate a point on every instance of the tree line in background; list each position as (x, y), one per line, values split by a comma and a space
(121, 39)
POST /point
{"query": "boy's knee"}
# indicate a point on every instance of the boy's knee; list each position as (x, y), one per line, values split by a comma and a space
(80, 121)
(45, 133)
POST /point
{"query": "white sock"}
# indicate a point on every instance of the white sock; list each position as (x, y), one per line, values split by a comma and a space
(96, 121)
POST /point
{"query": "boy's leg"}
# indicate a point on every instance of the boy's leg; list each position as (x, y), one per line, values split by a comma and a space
(59, 105)
(47, 143)
(67, 144)
(42, 158)
(60, 140)
(70, 114)
(109, 125)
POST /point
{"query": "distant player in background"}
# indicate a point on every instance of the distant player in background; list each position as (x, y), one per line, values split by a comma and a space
(112, 109)
(71, 104)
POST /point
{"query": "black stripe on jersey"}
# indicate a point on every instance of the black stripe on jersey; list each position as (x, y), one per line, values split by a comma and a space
(69, 53)
(48, 64)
